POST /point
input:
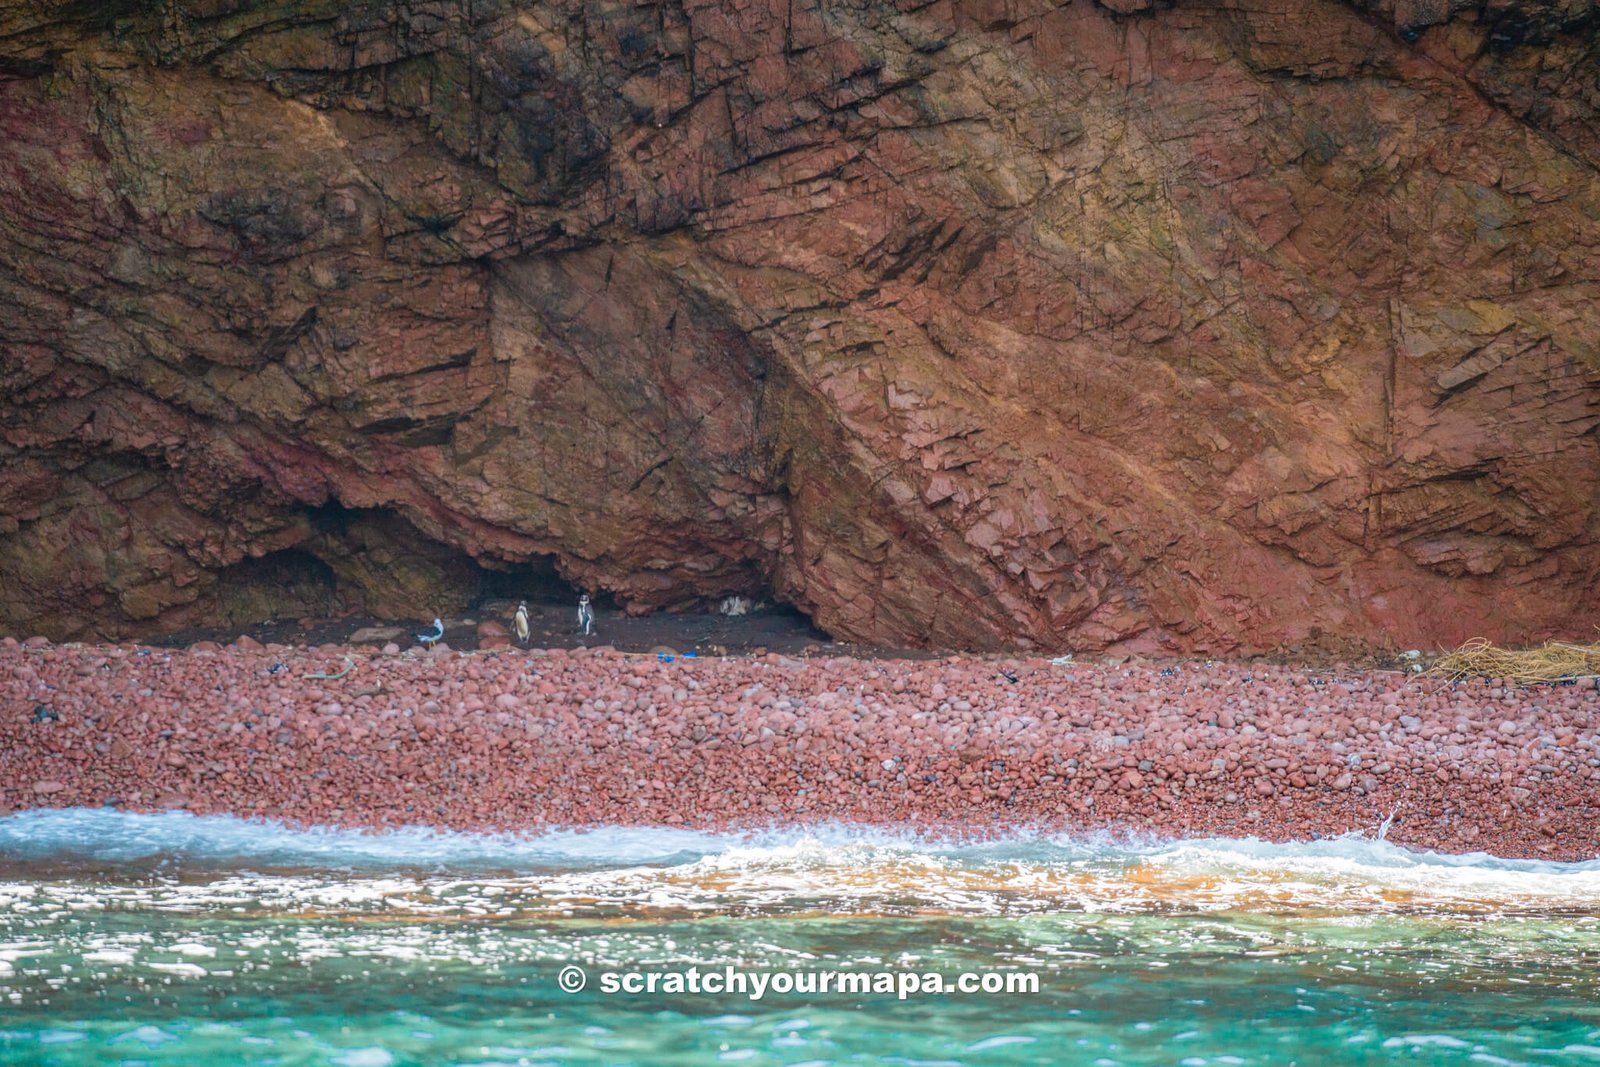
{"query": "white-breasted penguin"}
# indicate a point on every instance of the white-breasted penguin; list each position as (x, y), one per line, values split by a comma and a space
(585, 615)
(519, 622)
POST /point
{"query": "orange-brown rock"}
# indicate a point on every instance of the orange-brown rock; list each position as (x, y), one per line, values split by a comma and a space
(964, 323)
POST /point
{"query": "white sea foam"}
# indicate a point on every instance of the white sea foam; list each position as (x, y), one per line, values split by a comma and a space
(115, 836)
(828, 868)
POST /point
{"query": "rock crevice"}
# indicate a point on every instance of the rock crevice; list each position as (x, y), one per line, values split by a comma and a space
(978, 324)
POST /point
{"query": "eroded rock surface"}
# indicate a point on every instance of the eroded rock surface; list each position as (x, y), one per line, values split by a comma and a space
(1208, 328)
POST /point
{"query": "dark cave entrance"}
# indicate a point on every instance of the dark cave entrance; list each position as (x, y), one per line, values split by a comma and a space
(290, 583)
(537, 581)
(390, 571)
(357, 567)
(775, 624)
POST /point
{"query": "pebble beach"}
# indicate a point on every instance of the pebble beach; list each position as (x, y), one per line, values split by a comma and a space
(515, 739)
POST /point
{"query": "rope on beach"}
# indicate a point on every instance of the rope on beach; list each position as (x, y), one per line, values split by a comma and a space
(349, 665)
(1554, 661)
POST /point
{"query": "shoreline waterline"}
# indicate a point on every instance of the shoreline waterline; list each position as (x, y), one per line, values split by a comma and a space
(530, 739)
(112, 836)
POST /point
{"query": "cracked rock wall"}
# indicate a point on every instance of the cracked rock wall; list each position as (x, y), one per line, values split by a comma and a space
(1211, 328)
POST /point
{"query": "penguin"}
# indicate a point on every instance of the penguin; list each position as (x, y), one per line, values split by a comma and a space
(519, 622)
(438, 632)
(585, 615)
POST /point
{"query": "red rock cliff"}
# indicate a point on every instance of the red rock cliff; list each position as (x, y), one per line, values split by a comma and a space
(1207, 327)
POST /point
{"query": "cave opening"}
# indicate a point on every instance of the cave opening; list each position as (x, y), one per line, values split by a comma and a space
(778, 623)
(537, 581)
(358, 567)
(290, 583)
(758, 620)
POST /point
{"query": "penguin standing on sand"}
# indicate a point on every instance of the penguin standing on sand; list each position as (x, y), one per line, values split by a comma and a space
(438, 632)
(585, 615)
(519, 622)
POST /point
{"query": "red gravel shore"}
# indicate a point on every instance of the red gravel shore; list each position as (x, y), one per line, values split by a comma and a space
(516, 739)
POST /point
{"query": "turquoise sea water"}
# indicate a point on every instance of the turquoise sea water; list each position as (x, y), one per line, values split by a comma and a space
(170, 939)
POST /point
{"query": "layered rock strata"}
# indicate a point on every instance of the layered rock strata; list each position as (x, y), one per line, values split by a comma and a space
(971, 323)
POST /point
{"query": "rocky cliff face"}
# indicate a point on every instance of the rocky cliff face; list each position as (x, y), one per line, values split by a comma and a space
(965, 323)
